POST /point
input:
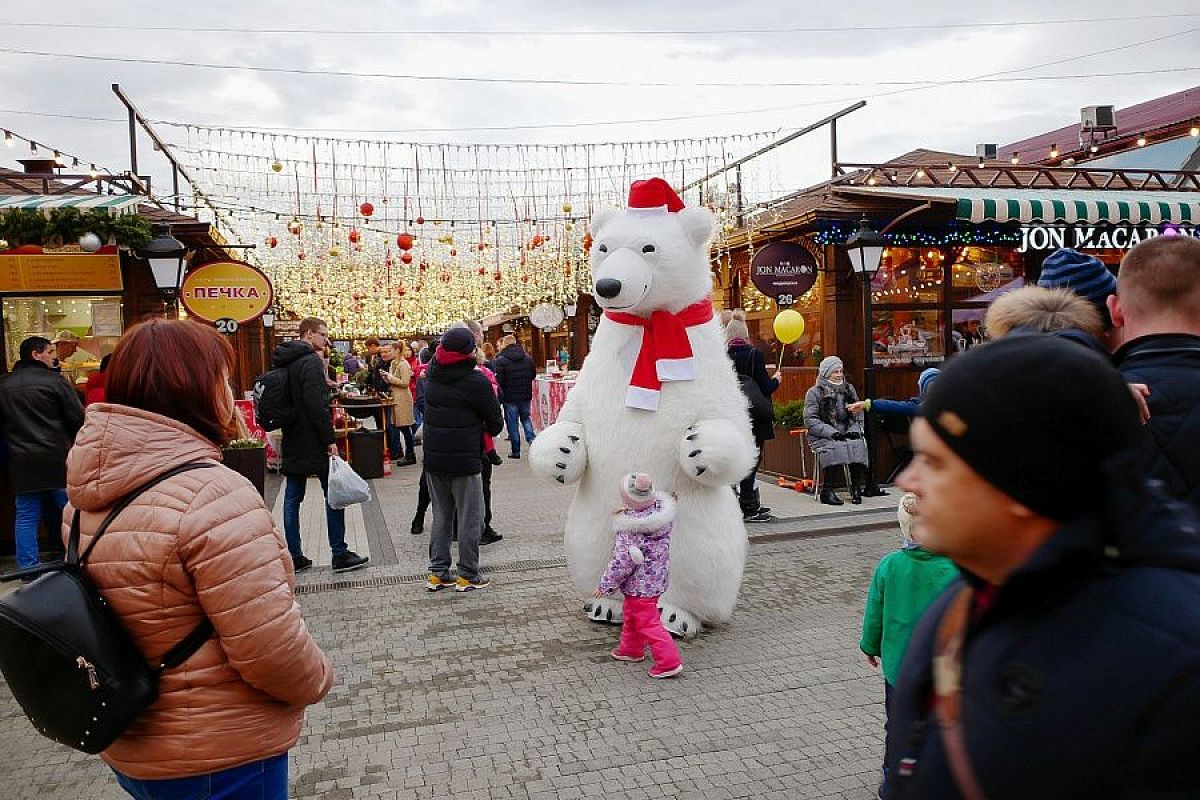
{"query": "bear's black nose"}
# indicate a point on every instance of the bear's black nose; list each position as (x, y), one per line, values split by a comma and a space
(608, 287)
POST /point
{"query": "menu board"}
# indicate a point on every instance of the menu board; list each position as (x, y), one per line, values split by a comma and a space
(60, 273)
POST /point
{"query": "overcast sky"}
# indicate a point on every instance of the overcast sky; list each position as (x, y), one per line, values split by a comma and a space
(948, 117)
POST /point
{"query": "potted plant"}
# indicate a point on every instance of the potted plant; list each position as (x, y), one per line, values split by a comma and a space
(248, 457)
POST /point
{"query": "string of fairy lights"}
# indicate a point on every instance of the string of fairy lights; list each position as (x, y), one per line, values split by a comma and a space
(388, 238)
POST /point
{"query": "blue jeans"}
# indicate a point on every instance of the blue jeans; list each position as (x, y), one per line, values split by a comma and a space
(335, 518)
(259, 780)
(513, 411)
(32, 508)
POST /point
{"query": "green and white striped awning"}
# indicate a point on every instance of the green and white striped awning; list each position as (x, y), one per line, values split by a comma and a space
(1084, 206)
(114, 204)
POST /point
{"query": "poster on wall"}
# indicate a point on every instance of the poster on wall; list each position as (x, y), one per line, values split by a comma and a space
(106, 317)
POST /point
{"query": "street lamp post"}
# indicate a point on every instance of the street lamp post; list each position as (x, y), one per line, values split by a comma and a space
(865, 249)
(166, 256)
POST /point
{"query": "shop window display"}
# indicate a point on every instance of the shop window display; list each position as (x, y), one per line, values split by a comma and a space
(981, 274)
(96, 321)
(904, 337)
(908, 276)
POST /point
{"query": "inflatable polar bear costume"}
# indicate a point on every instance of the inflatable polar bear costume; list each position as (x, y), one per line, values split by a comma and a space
(656, 394)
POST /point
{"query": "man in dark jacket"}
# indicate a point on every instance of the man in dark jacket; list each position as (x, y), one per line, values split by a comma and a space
(41, 414)
(514, 374)
(459, 407)
(1156, 314)
(758, 386)
(309, 442)
(1066, 661)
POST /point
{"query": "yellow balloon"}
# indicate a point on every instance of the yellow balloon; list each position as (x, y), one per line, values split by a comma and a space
(789, 326)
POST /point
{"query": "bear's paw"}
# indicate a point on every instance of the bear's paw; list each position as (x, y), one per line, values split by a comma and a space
(604, 610)
(559, 453)
(678, 622)
(715, 452)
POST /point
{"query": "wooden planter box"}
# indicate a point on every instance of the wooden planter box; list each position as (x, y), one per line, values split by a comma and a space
(250, 462)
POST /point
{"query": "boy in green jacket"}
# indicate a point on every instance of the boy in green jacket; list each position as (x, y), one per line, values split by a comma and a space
(905, 583)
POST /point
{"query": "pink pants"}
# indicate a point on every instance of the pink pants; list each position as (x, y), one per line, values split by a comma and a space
(642, 627)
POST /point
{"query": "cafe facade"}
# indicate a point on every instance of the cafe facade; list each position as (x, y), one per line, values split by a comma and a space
(958, 235)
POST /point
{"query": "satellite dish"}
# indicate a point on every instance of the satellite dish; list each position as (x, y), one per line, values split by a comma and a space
(546, 316)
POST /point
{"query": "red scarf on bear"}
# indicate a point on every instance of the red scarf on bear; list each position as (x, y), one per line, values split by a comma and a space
(666, 353)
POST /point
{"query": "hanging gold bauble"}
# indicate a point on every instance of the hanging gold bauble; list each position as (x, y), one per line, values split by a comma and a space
(276, 166)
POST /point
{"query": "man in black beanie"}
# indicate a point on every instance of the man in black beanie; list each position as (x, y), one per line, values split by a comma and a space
(1066, 661)
(459, 406)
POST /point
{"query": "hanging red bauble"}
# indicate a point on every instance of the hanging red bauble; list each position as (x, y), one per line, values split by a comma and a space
(406, 258)
(524, 279)
(366, 209)
(404, 241)
(483, 271)
(399, 315)
(587, 241)
(272, 242)
(401, 291)
(496, 276)
(354, 236)
(418, 287)
(300, 256)
(387, 262)
(444, 277)
(424, 266)
(481, 247)
(536, 241)
(294, 227)
(453, 252)
(420, 220)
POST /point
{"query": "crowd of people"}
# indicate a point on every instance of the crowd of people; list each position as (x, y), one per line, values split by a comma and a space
(1038, 630)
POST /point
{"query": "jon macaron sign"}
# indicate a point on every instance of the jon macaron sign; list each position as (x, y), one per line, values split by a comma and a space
(226, 290)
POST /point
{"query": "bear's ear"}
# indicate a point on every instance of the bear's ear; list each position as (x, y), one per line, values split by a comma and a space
(698, 224)
(602, 217)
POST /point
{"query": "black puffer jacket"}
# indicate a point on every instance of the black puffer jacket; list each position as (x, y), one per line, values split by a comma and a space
(1082, 678)
(41, 414)
(514, 374)
(748, 362)
(1170, 365)
(306, 440)
(459, 406)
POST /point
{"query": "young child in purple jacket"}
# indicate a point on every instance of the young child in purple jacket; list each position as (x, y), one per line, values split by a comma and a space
(639, 568)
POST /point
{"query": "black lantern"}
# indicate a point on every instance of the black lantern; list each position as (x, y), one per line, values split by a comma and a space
(166, 256)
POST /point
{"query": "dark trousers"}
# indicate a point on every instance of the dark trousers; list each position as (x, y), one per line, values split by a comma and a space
(887, 721)
(422, 498)
(747, 494)
(486, 474)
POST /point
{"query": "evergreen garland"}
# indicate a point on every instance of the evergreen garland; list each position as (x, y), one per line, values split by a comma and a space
(62, 226)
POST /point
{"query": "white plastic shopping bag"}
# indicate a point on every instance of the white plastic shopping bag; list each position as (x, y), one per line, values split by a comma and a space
(346, 487)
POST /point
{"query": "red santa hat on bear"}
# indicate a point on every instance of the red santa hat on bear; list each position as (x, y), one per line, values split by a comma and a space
(653, 196)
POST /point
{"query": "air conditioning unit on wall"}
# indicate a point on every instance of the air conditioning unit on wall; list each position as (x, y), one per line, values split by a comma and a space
(1098, 118)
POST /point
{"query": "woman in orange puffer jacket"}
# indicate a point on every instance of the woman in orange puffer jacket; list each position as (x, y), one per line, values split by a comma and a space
(199, 544)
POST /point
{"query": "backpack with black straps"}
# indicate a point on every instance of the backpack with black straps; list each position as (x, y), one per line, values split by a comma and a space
(69, 662)
(273, 406)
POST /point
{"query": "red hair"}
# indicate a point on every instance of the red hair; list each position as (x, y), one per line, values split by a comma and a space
(174, 368)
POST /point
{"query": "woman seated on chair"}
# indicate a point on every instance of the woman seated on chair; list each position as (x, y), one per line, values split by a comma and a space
(835, 434)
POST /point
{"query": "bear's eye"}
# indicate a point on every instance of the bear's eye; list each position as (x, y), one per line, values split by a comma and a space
(648, 248)
(603, 248)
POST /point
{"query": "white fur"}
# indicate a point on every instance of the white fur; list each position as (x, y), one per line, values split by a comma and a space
(664, 515)
(636, 555)
(708, 547)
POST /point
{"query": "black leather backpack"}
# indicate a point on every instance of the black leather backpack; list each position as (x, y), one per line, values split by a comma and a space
(70, 664)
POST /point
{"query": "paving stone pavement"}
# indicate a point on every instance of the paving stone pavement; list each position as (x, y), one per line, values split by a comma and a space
(509, 692)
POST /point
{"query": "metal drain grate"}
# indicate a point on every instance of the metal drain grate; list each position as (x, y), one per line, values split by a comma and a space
(396, 580)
